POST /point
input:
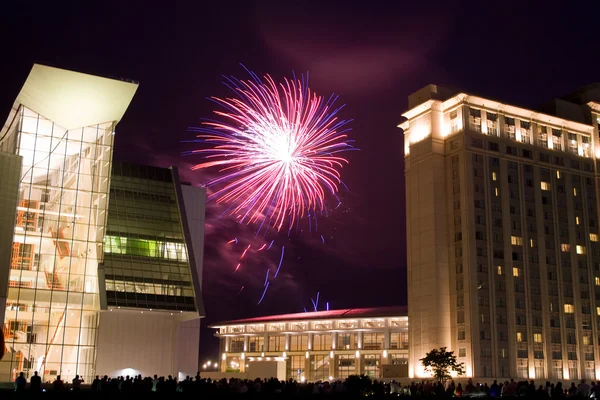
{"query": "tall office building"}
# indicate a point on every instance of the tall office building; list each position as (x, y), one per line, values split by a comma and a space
(503, 226)
(150, 282)
(55, 158)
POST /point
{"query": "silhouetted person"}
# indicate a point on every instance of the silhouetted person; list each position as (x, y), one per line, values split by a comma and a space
(58, 385)
(77, 383)
(171, 384)
(161, 385)
(35, 383)
(20, 383)
(126, 385)
(96, 384)
(559, 392)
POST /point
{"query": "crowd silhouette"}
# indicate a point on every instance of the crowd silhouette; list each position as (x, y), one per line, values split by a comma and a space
(358, 385)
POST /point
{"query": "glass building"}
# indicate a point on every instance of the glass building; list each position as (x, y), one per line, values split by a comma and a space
(147, 265)
(150, 281)
(55, 163)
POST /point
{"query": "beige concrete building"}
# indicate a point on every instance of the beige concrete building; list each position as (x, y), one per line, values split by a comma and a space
(323, 345)
(502, 231)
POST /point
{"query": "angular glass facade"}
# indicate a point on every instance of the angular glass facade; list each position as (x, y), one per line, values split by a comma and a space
(52, 304)
(146, 259)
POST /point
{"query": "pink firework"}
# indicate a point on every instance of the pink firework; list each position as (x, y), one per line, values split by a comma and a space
(276, 149)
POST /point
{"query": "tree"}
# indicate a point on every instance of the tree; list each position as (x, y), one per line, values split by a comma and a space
(441, 362)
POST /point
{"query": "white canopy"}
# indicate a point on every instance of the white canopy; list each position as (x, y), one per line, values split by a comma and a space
(73, 99)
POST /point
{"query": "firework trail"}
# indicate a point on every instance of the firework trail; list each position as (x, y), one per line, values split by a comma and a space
(276, 146)
(264, 293)
(315, 304)
(280, 261)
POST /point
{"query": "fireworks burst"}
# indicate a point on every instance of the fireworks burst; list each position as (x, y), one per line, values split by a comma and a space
(276, 150)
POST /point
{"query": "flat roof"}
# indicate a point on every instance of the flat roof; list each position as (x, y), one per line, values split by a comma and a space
(349, 313)
(74, 99)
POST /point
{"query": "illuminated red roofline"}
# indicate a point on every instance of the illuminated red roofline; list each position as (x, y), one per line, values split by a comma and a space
(349, 313)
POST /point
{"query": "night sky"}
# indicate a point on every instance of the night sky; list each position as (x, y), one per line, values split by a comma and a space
(371, 54)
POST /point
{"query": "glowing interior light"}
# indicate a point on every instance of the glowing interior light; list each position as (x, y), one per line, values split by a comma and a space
(357, 354)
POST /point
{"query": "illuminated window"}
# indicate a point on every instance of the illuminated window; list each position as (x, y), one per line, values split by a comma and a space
(574, 191)
(516, 240)
(580, 249)
(557, 174)
(494, 176)
(577, 220)
(531, 243)
(515, 271)
(499, 269)
(545, 186)
(145, 248)
(597, 281)
(565, 247)
(519, 337)
(569, 309)
(586, 340)
(537, 337)
(597, 310)
(593, 237)
(497, 191)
